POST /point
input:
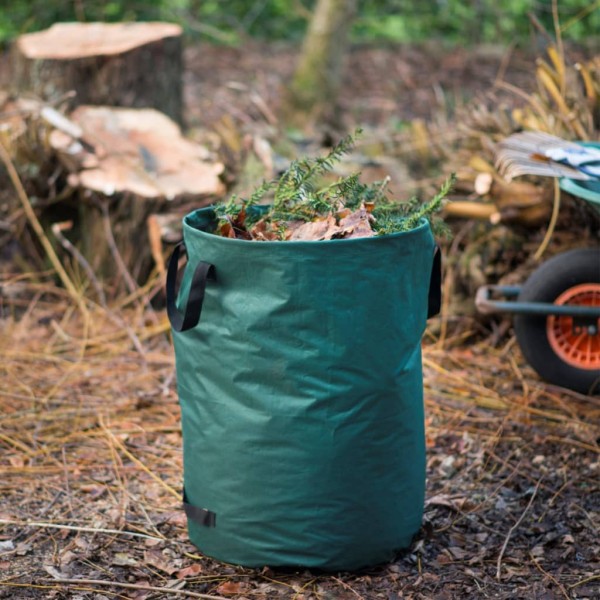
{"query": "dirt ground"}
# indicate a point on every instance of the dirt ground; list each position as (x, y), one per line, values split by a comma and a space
(381, 86)
(91, 466)
(91, 473)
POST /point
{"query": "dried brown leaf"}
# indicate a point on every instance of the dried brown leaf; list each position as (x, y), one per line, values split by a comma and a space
(230, 588)
(67, 557)
(325, 229)
(226, 230)
(240, 221)
(457, 553)
(453, 502)
(54, 572)
(177, 519)
(151, 543)
(190, 571)
(263, 232)
(291, 227)
(357, 224)
(122, 559)
(95, 491)
(442, 559)
(157, 559)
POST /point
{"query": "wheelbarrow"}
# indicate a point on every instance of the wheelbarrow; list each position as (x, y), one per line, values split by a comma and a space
(557, 310)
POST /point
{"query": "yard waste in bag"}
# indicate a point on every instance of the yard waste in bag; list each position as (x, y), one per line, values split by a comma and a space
(301, 394)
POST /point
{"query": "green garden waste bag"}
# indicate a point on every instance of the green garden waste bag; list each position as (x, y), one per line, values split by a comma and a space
(301, 394)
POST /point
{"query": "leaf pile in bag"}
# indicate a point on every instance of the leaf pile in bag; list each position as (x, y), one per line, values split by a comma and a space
(301, 210)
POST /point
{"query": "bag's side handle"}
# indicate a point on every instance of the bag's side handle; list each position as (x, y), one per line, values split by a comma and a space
(434, 301)
(182, 321)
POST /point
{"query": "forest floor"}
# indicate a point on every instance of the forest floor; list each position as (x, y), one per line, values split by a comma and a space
(384, 86)
(91, 464)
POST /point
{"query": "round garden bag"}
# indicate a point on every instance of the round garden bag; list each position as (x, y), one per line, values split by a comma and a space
(301, 394)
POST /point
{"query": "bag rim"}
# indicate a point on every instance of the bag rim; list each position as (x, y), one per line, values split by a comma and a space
(423, 227)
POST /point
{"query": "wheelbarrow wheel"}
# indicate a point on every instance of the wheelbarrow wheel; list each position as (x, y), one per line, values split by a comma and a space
(561, 353)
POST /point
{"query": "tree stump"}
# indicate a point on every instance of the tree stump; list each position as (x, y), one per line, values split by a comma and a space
(128, 165)
(137, 65)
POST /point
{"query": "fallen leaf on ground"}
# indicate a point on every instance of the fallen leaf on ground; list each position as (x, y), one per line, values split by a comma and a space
(454, 502)
(67, 557)
(177, 519)
(157, 559)
(457, 553)
(122, 559)
(190, 571)
(229, 588)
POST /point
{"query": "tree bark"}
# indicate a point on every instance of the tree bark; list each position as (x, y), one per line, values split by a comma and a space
(136, 65)
(314, 88)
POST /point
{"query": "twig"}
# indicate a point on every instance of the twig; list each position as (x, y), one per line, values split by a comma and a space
(139, 463)
(67, 485)
(57, 230)
(135, 340)
(580, 15)
(504, 63)
(559, 42)
(38, 229)
(349, 588)
(555, 581)
(51, 503)
(208, 30)
(112, 245)
(584, 581)
(541, 29)
(81, 529)
(134, 586)
(513, 529)
(552, 224)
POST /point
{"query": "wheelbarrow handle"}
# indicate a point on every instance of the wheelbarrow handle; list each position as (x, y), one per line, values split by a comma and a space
(487, 306)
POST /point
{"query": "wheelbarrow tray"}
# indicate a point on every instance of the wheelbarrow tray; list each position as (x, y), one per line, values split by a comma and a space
(588, 190)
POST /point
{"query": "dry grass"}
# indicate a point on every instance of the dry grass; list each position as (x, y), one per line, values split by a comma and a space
(91, 466)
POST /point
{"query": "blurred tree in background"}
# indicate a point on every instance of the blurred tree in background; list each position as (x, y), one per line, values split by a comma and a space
(314, 88)
(231, 21)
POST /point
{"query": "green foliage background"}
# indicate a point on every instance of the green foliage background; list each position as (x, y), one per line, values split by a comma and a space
(232, 21)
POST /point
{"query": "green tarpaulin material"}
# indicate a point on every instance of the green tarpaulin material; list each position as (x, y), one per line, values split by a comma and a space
(301, 394)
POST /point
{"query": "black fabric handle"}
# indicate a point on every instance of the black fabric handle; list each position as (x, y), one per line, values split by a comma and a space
(191, 313)
(202, 516)
(434, 304)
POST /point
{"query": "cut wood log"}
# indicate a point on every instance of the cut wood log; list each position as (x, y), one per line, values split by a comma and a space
(122, 64)
(515, 202)
(136, 151)
(129, 164)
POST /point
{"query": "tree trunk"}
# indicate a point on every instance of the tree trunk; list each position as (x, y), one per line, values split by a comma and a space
(312, 96)
(125, 64)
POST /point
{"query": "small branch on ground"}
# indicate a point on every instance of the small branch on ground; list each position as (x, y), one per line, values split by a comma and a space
(513, 529)
(134, 586)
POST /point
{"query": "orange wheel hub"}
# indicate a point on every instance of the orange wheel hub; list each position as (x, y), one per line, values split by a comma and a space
(578, 347)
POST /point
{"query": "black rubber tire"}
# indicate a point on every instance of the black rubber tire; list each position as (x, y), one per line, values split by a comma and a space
(545, 285)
